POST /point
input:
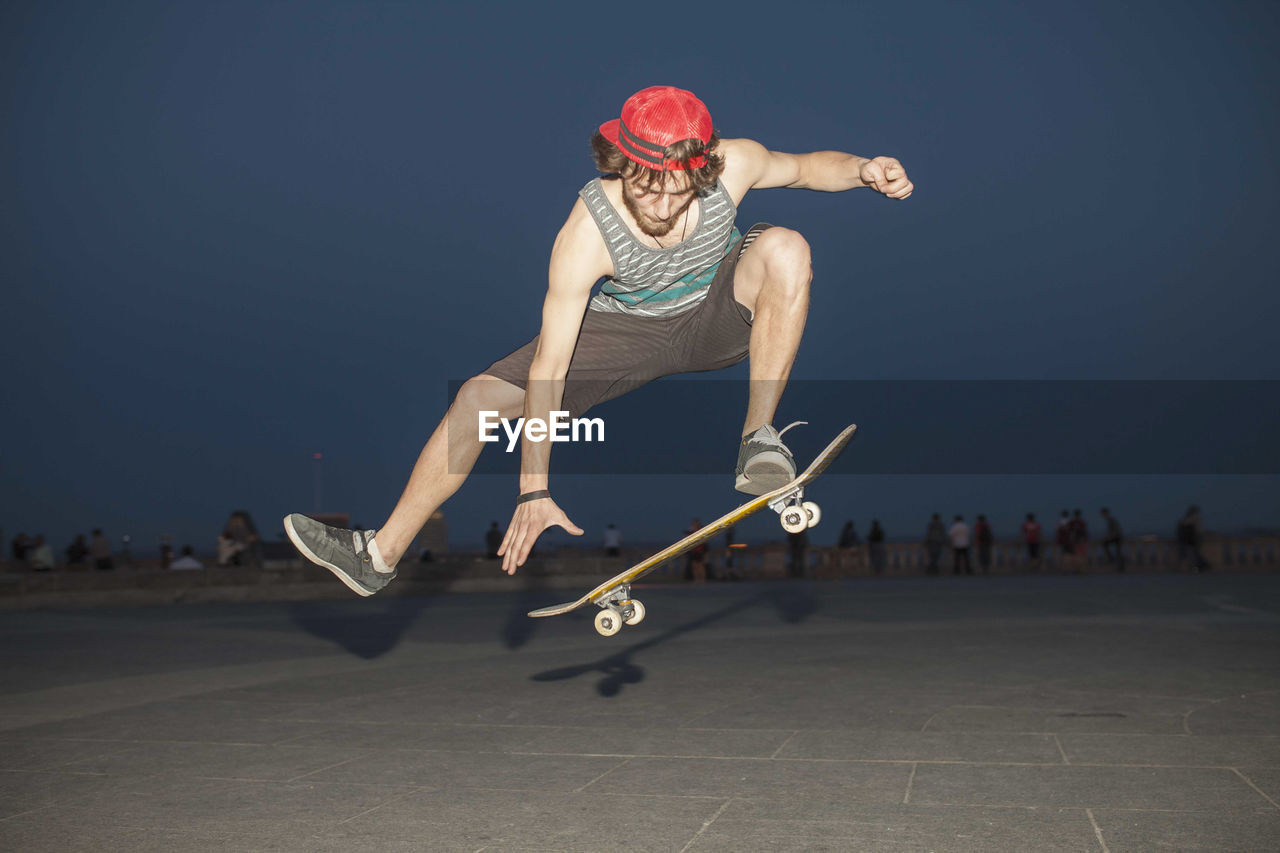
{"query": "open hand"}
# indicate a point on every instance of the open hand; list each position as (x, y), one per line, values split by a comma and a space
(527, 524)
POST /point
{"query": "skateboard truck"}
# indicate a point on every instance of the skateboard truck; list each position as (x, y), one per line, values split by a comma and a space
(616, 607)
(795, 514)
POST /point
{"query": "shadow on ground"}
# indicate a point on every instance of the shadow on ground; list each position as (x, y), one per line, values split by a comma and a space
(370, 629)
(369, 632)
(377, 626)
(619, 669)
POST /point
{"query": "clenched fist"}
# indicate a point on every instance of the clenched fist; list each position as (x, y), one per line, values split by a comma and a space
(886, 175)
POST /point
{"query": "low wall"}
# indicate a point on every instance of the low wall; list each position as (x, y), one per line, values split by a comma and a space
(145, 583)
(1010, 558)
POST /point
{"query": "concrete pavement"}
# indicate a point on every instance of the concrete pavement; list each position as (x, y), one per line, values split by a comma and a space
(1094, 713)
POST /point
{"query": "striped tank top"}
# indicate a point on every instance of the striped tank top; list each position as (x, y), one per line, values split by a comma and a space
(653, 282)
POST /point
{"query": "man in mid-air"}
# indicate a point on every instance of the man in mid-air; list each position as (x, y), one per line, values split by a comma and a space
(685, 291)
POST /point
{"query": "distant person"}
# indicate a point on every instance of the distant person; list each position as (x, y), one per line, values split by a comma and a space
(1113, 541)
(22, 543)
(100, 549)
(186, 561)
(166, 553)
(612, 541)
(1190, 538)
(1031, 536)
(695, 567)
(77, 551)
(959, 535)
(984, 538)
(935, 536)
(730, 565)
(848, 544)
(1079, 539)
(798, 546)
(848, 536)
(492, 541)
(875, 546)
(228, 549)
(241, 530)
(1065, 545)
(684, 291)
(41, 554)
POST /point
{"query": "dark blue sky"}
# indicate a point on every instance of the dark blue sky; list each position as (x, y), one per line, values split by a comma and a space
(237, 233)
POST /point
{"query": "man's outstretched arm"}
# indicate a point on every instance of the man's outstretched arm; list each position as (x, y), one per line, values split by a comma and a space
(749, 165)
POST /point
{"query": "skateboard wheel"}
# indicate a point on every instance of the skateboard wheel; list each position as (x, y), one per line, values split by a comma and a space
(813, 511)
(637, 613)
(608, 623)
(794, 519)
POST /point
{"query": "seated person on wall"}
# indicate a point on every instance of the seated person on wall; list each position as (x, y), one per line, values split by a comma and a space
(41, 555)
(186, 561)
(239, 542)
(77, 551)
(228, 550)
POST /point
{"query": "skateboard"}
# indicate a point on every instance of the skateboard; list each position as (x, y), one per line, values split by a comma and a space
(614, 595)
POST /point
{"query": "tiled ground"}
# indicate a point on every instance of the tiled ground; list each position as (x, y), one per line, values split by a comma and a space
(1013, 714)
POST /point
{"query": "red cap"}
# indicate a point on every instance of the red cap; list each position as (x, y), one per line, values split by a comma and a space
(655, 118)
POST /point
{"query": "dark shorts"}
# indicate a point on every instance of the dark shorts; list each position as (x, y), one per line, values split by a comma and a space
(617, 353)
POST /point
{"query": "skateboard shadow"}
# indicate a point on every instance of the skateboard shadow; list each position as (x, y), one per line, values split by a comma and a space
(619, 670)
(796, 602)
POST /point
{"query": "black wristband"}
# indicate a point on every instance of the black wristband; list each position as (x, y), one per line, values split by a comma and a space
(533, 496)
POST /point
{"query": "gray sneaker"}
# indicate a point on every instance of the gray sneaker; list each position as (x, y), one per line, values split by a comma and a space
(343, 552)
(764, 462)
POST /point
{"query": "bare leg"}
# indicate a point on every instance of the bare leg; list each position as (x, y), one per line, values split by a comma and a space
(772, 279)
(446, 460)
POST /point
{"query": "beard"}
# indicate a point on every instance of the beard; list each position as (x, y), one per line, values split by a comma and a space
(650, 226)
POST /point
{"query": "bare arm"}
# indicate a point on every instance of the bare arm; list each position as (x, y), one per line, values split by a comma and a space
(749, 165)
(578, 259)
(576, 265)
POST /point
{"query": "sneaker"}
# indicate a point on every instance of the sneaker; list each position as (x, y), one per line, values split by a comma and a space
(764, 462)
(343, 552)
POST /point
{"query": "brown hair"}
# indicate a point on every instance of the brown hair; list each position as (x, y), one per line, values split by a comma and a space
(610, 160)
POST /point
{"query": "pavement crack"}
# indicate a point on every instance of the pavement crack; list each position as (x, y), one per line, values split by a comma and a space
(322, 769)
(1249, 782)
(624, 763)
(383, 804)
(1097, 831)
(911, 780)
(1056, 740)
(783, 745)
(707, 824)
(929, 721)
(27, 812)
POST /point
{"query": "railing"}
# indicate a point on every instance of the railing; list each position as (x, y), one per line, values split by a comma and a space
(143, 582)
(1260, 554)
(1006, 558)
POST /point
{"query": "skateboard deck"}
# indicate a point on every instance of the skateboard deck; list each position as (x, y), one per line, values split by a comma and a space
(614, 595)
